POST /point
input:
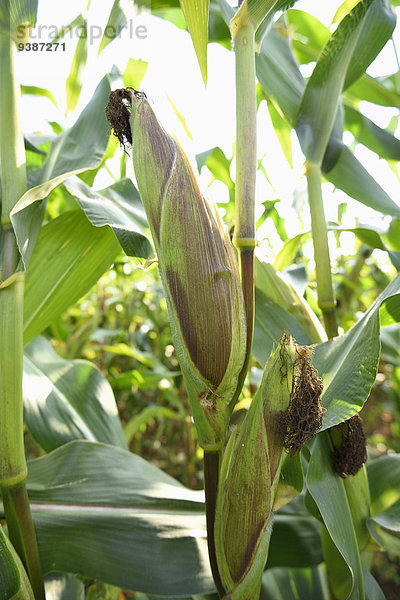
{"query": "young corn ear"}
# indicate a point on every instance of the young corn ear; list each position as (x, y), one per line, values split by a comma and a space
(251, 468)
(198, 269)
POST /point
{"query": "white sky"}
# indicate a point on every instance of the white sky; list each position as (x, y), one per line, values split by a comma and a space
(173, 73)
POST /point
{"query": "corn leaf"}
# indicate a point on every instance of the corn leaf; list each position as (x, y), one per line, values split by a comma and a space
(75, 150)
(348, 364)
(134, 73)
(384, 528)
(291, 584)
(74, 81)
(295, 539)
(328, 492)
(73, 401)
(342, 61)
(196, 15)
(116, 22)
(279, 74)
(352, 177)
(118, 206)
(379, 91)
(151, 528)
(384, 477)
(38, 91)
(373, 591)
(368, 133)
(14, 582)
(69, 258)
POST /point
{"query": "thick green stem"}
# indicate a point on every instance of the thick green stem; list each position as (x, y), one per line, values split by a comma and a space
(12, 455)
(22, 534)
(211, 476)
(326, 300)
(12, 150)
(246, 167)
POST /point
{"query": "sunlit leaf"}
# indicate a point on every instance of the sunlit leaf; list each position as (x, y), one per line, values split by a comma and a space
(196, 15)
(118, 206)
(343, 59)
(66, 400)
(69, 258)
(348, 364)
(74, 81)
(116, 22)
(38, 91)
(79, 148)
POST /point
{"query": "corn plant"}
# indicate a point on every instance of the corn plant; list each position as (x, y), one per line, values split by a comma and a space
(291, 505)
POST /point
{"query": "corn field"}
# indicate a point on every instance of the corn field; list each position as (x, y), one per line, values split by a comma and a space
(199, 369)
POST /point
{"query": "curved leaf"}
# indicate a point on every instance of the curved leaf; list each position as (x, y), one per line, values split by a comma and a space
(384, 481)
(348, 364)
(196, 15)
(104, 513)
(385, 528)
(366, 132)
(75, 150)
(116, 22)
(349, 175)
(328, 492)
(343, 59)
(38, 91)
(120, 207)
(69, 258)
(75, 78)
(295, 584)
(14, 582)
(295, 539)
(66, 400)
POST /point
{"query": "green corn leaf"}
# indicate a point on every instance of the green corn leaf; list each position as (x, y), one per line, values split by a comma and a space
(69, 258)
(342, 61)
(348, 364)
(384, 476)
(380, 91)
(134, 73)
(352, 177)
(385, 528)
(279, 74)
(118, 206)
(14, 582)
(38, 91)
(328, 492)
(74, 81)
(116, 22)
(373, 591)
(73, 400)
(292, 584)
(84, 506)
(295, 539)
(366, 132)
(75, 150)
(196, 15)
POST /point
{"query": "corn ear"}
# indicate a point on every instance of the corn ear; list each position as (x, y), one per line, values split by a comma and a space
(198, 270)
(251, 468)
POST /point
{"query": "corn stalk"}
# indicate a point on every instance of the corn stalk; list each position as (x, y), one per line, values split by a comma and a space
(13, 468)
